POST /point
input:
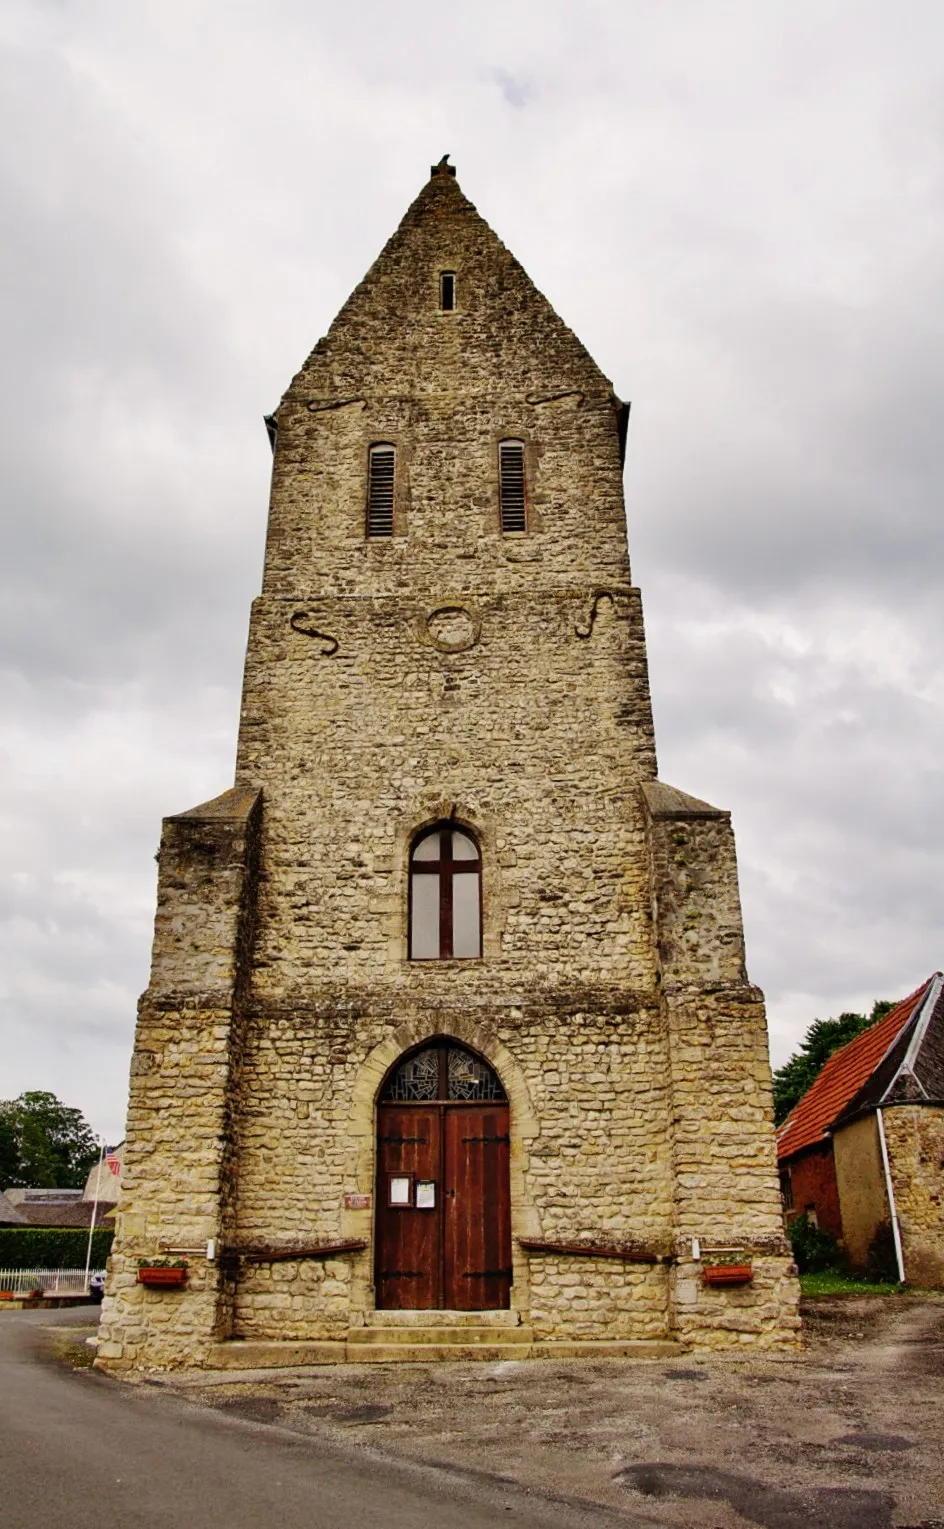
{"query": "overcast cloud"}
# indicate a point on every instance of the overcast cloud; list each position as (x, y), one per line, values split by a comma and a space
(739, 207)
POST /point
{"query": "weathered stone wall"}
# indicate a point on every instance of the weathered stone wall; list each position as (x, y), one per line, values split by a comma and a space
(444, 388)
(534, 736)
(453, 672)
(915, 1138)
(594, 1298)
(179, 1173)
(727, 1192)
(596, 1166)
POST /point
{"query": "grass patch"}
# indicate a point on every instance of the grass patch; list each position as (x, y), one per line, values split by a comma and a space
(70, 1347)
(830, 1282)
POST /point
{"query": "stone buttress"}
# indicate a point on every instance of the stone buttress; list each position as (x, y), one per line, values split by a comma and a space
(454, 670)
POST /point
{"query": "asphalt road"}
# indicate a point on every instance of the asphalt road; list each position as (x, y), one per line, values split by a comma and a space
(81, 1451)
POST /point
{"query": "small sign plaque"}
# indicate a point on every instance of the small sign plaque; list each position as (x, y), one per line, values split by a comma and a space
(357, 1202)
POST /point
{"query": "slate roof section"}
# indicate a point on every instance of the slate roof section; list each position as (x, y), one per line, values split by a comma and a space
(666, 801)
(235, 803)
(73, 1213)
(898, 1060)
(19, 1195)
(9, 1215)
(913, 1070)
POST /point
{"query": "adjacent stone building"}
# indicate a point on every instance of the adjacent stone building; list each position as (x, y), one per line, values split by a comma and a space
(448, 1032)
(862, 1153)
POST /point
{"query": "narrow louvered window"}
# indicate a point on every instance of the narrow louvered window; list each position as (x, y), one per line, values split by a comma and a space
(447, 290)
(511, 485)
(381, 468)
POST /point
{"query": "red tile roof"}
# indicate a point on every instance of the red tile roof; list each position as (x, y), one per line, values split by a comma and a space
(843, 1075)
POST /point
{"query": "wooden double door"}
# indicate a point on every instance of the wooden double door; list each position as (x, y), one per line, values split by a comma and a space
(443, 1207)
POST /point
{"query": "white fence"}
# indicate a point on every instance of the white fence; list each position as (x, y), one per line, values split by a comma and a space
(50, 1281)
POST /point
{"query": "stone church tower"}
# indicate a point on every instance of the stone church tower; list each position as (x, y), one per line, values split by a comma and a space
(448, 1037)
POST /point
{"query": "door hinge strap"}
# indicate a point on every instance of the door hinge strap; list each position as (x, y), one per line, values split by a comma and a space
(400, 1140)
(402, 1274)
(487, 1274)
(505, 1139)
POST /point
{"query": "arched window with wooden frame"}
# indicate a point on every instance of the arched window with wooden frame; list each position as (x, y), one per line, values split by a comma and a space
(512, 496)
(445, 895)
(381, 478)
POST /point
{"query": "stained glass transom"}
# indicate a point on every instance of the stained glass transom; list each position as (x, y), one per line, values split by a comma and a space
(468, 1078)
(416, 1078)
(442, 1072)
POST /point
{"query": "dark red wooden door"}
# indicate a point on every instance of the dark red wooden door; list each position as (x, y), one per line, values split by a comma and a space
(477, 1227)
(443, 1207)
(409, 1239)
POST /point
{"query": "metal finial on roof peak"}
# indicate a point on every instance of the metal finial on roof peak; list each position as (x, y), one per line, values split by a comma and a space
(443, 168)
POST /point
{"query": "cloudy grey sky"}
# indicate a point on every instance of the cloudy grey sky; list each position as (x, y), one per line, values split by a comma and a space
(739, 208)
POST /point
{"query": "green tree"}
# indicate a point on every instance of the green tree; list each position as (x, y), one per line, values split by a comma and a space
(9, 1154)
(824, 1036)
(44, 1143)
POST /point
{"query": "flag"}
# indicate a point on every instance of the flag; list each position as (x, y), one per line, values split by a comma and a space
(114, 1163)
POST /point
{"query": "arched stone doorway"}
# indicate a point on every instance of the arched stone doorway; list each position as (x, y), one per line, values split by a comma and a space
(443, 1221)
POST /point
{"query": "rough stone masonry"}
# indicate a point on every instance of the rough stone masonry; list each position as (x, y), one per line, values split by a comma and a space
(458, 672)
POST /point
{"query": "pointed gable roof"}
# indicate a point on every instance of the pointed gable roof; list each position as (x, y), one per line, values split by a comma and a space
(895, 1060)
(502, 326)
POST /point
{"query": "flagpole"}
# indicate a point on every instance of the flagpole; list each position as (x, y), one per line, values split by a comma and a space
(98, 1180)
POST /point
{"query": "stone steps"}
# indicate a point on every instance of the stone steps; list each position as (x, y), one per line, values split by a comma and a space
(414, 1352)
(416, 1343)
(439, 1318)
(275, 1354)
(466, 1334)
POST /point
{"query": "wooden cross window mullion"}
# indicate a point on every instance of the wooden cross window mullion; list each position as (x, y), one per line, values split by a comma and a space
(445, 893)
(445, 868)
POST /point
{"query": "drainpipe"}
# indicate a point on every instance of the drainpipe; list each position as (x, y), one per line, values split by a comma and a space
(896, 1229)
(98, 1180)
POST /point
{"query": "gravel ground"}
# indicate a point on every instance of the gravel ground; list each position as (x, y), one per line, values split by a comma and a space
(845, 1435)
